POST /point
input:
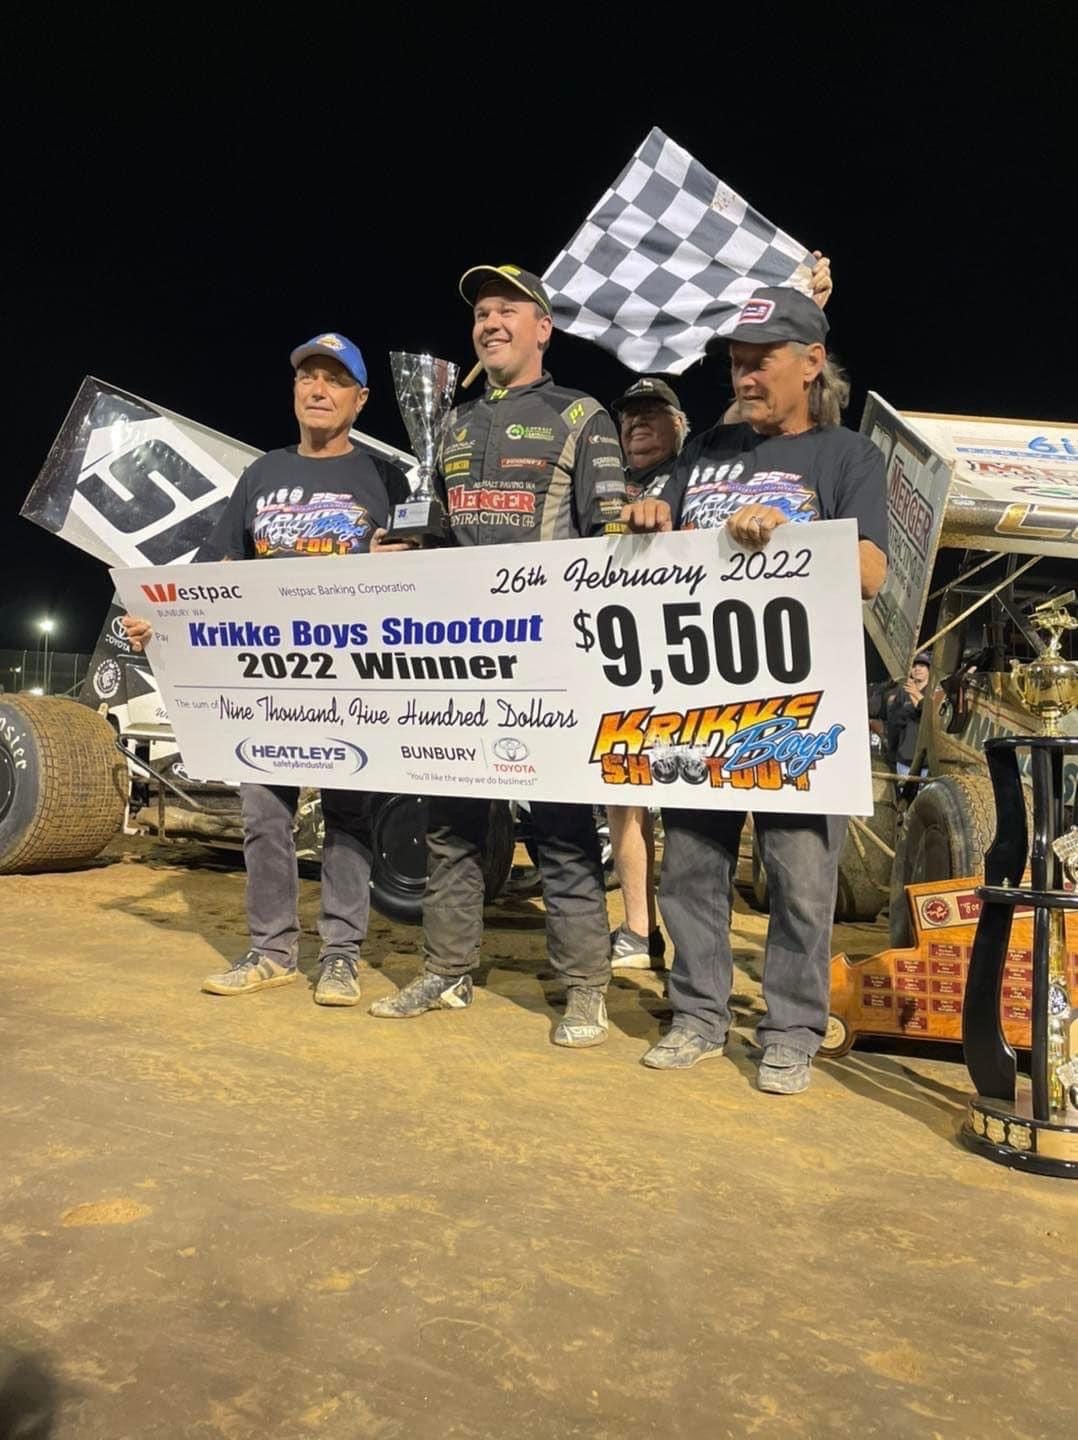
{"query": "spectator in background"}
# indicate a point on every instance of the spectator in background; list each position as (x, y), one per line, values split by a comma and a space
(898, 705)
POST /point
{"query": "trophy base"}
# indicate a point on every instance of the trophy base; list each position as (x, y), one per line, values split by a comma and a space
(422, 521)
(1009, 1135)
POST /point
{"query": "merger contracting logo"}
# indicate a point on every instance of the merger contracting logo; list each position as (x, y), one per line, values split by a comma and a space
(339, 756)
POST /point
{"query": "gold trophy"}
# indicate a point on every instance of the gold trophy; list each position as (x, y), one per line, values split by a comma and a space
(1048, 686)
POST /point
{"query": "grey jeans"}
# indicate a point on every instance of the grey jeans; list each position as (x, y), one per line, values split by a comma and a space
(577, 929)
(272, 877)
(800, 855)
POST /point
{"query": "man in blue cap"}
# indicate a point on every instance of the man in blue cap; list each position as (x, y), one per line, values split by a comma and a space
(322, 497)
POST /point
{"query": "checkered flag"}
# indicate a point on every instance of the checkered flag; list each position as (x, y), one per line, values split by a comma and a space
(665, 260)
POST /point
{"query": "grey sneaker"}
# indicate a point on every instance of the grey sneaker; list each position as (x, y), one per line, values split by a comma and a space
(584, 1022)
(784, 1070)
(255, 971)
(681, 1049)
(338, 983)
(425, 992)
(630, 951)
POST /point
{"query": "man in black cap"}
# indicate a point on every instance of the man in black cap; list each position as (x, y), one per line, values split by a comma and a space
(324, 497)
(788, 462)
(653, 429)
(528, 461)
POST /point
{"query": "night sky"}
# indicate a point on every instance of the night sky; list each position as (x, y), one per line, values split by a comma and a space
(180, 216)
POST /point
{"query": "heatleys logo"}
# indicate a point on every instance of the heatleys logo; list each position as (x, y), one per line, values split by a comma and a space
(339, 756)
(331, 342)
(167, 594)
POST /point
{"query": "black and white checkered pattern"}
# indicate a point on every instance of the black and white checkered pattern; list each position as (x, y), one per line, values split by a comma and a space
(665, 261)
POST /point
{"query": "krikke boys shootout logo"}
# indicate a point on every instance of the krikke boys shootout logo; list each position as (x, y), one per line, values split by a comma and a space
(749, 745)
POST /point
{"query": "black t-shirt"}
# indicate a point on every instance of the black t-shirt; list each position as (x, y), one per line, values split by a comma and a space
(831, 474)
(651, 483)
(286, 505)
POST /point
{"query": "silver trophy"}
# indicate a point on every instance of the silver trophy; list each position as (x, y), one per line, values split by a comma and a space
(425, 387)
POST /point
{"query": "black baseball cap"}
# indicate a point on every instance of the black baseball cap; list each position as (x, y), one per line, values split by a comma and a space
(773, 315)
(647, 388)
(473, 280)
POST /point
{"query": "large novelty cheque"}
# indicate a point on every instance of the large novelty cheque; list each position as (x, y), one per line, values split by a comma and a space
(673, 669)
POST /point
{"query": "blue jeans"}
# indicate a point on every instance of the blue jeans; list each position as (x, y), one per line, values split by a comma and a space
(800, 855)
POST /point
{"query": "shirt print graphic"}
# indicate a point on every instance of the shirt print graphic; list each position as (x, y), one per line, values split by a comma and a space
(715, 492)
(326, 524)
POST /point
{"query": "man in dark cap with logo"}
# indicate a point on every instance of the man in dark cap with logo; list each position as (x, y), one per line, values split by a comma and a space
(324, 497)
(528, 461)
(789, 461)
(653, 429)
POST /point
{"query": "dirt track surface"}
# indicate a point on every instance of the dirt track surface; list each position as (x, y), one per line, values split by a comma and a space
(253, 1217)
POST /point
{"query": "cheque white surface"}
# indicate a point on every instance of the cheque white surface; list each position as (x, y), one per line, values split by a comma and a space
(665, 670)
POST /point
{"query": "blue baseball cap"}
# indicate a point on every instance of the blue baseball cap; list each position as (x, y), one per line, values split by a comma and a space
(337, 347)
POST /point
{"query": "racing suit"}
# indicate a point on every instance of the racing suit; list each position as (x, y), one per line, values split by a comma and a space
(535, 462)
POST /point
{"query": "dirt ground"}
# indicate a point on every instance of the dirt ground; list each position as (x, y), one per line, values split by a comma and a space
(253, 1217)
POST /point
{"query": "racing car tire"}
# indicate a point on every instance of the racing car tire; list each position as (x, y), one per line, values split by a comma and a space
(947, 830)
(862, 867)
(63, 784)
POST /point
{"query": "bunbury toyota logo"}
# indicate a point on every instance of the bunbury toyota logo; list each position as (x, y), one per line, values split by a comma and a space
(340, 756)
(510, 748)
